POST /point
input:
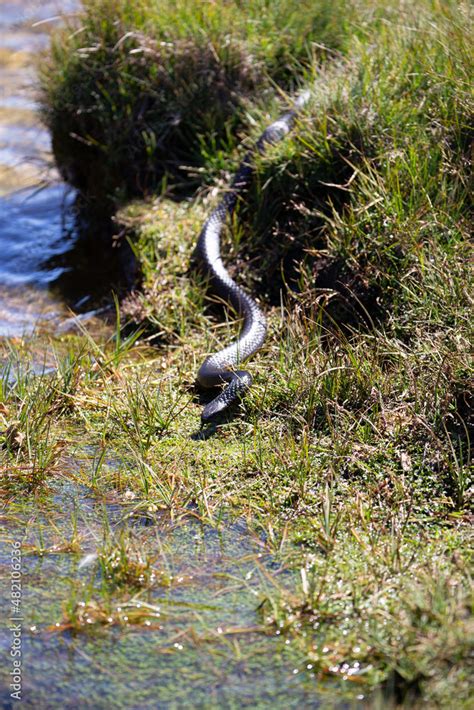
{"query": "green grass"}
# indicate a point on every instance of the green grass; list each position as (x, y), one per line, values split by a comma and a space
(351, 458)
(138, 94)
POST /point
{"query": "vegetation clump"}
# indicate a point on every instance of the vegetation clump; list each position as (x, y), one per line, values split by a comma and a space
(123, 564)
(136, 93)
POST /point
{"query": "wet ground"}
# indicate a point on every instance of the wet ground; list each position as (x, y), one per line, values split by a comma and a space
(200, 647)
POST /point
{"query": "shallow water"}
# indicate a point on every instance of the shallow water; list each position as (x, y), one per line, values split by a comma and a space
(34, 205)
(49, 263)
(203, 651)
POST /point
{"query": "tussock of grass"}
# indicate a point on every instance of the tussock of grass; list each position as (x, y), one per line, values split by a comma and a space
(91, 616)
(136, 91)
(123, 564)
(369, 198)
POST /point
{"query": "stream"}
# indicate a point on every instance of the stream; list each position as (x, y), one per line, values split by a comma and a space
(52, 264)
(35, 207)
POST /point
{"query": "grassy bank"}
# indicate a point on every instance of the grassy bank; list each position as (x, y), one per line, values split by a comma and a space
(148, 93)
(351, 459)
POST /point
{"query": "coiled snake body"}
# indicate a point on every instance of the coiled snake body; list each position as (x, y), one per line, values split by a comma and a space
(222, 367)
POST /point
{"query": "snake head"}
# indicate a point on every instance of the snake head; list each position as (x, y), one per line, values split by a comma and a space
(239, 383)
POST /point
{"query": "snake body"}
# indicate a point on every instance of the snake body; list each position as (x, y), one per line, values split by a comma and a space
(222, 367)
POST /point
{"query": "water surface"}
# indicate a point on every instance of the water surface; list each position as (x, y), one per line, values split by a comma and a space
(206, 649)
(47, 266)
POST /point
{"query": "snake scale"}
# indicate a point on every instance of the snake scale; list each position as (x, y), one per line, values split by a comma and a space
(222, 367)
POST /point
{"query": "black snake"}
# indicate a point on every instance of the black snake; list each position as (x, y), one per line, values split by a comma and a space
(222, 367)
